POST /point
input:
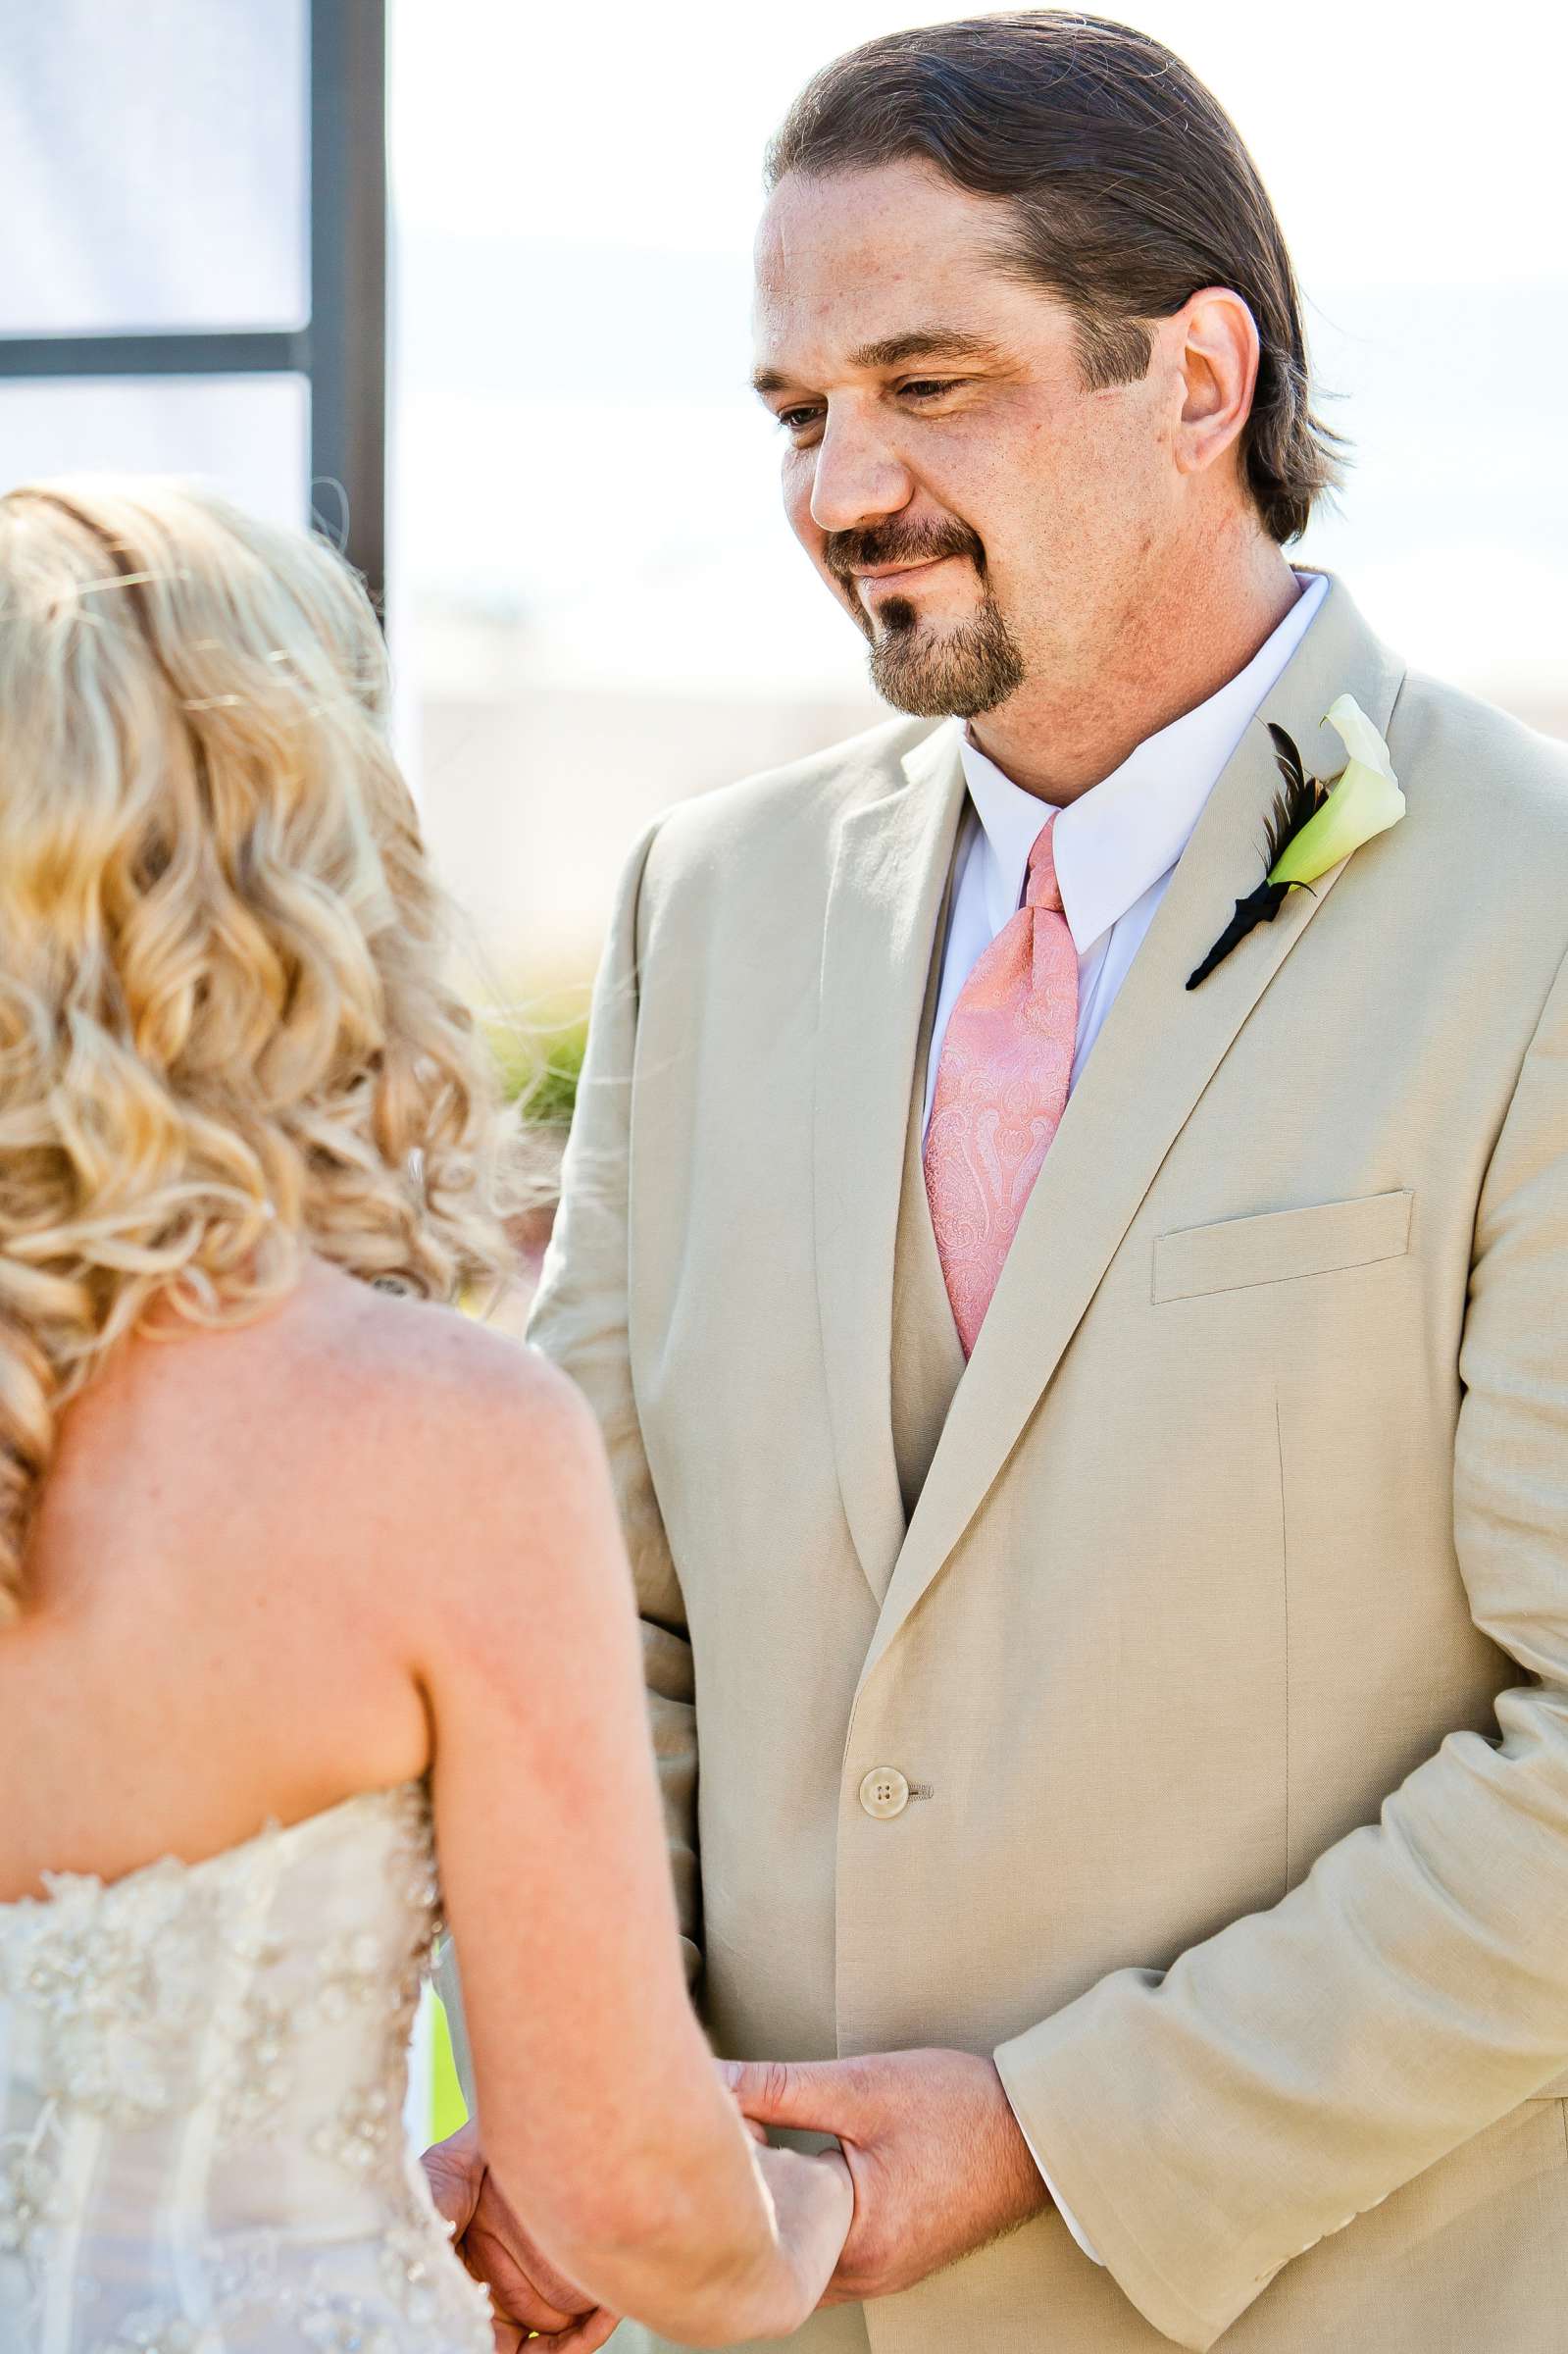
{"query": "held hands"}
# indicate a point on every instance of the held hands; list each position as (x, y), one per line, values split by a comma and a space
(812, 2199)
(931, 2164)
(528, 2292)
(939, 2162)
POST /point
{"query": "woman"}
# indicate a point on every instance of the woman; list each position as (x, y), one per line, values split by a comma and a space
(285, 1542)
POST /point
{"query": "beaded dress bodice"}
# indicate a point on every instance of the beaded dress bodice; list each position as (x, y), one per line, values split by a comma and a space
(202, 2078)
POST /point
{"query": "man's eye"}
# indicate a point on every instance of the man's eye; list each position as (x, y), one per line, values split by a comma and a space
(926, 387)
(795, 421)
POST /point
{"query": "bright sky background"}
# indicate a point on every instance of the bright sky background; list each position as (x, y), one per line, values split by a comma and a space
(576, 192)
(1428, 138)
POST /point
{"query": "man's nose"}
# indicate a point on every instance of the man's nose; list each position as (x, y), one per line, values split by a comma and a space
(857, 479)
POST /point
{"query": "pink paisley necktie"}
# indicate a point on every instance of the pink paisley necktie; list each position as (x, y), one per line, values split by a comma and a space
(1001, 1089)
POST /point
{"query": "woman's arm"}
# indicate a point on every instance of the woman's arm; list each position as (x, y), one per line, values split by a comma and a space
(600, 2108)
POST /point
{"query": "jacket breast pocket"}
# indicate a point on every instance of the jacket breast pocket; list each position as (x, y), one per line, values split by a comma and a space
(1281, 1245)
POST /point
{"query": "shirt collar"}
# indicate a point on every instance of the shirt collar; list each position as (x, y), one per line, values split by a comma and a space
(1117, 840)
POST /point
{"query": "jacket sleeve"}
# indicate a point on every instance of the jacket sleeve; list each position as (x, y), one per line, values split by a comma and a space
(1211, 2122)
(580, 1321)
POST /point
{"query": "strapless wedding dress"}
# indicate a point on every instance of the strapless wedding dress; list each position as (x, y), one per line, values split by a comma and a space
(202, 2078)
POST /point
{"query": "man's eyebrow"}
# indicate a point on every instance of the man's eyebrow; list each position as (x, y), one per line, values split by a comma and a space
(894, 351)
(924, 344)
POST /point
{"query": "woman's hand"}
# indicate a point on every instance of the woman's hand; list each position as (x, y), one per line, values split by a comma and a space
(814, 2205)
(529, 2294)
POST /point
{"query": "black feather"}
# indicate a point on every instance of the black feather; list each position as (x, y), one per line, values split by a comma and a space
(1288, 758)
(1302, 799)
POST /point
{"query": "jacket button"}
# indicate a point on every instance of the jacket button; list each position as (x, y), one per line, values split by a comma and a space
(884, 1793)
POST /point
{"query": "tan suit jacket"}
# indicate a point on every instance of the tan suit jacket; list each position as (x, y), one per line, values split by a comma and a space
(1221, 1626)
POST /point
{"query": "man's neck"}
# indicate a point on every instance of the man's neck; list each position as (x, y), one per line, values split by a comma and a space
(1184, 644)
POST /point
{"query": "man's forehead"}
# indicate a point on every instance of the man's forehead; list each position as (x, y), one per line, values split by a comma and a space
(848, 228)
(861, 259)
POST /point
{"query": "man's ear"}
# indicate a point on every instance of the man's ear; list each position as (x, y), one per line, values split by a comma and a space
(1217, 357)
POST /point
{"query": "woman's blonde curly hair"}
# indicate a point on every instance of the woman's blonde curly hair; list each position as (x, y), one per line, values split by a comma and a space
(226, 1041)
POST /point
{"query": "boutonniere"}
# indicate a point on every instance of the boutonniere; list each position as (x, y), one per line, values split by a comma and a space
(1313, 825)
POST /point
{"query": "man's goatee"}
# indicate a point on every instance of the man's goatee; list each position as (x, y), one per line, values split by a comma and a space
(972, 670)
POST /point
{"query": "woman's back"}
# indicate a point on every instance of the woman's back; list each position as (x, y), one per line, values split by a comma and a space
(203, 2064)
(211, 1637)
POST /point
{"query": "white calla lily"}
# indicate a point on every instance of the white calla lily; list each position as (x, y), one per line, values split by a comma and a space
(1364, 802)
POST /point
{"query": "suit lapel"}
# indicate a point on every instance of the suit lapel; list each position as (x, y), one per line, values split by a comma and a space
(886, 895)
(1157, 1053)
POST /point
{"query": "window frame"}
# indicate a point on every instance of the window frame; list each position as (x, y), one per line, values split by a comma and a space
(340, 350)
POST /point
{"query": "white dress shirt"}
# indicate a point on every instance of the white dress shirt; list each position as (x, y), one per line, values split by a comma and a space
(1116, 849)
(1116, 845)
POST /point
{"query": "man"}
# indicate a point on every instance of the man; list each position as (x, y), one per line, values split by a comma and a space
(1093, 1450)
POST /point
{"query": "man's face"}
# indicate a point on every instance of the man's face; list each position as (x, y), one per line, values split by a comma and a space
(983, 517)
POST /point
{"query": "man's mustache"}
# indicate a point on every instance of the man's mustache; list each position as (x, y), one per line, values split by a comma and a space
(844, 553)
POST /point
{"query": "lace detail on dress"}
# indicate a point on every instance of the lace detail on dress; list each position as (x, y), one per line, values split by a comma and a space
(114, 1986)
(161, 2334)
(205, 2065)
(260, 2064)
(28, 2194)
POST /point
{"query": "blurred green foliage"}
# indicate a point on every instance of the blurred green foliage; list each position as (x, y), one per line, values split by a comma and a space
(539, 1066)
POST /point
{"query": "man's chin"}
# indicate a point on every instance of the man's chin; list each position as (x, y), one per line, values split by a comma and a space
(932, 678)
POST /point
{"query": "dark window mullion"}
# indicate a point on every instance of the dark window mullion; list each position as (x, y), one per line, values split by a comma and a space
(348, 280)
(175, 354)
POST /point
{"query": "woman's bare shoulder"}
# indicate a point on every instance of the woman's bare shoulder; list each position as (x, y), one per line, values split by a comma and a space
(481, 1389)
(348, 1438)
(408, 1391)
(482, 1468)
(494, 1454)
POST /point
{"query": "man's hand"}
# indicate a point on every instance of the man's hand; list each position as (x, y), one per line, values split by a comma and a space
(526, 2289)
(940, 2165)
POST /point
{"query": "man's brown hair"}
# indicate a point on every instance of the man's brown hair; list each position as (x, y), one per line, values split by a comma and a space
(1130, 189)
